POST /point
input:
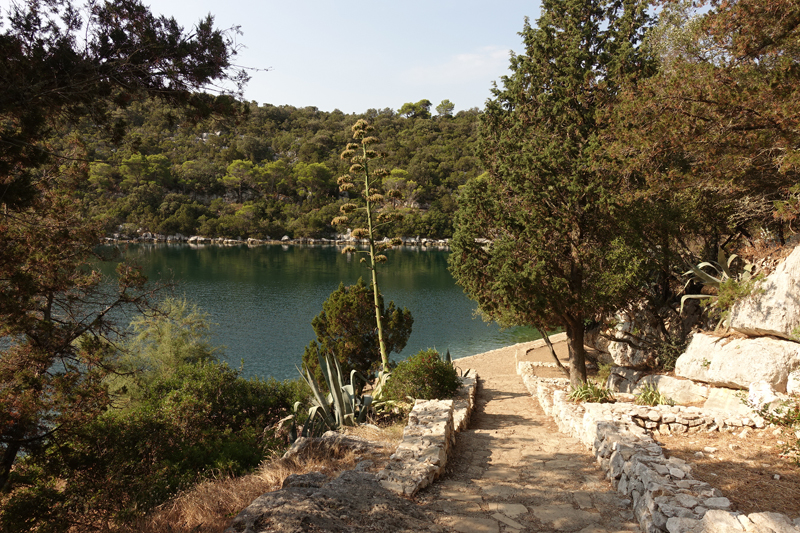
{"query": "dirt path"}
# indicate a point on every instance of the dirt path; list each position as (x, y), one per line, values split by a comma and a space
(513, 471)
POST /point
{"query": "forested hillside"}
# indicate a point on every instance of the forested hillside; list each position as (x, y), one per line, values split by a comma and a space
(270, 171)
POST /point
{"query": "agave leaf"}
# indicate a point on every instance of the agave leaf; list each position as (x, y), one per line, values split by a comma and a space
(323, 364)
(366, 403)
(726, 265)
(334, 378)
(694, 296)
(317, 399)
(380, 383)
(703, 276)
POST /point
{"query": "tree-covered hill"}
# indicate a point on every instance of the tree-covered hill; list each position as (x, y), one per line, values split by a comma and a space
(269, 171)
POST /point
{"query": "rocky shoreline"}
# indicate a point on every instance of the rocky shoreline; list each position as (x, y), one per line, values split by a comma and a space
(199, 240)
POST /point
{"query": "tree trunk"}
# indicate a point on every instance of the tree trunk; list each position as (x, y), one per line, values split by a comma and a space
(577, 352)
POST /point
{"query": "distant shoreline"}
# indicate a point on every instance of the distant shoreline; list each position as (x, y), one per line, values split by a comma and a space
(199, 241)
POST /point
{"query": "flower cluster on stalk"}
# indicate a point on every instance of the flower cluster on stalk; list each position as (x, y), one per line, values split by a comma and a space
(360, 154)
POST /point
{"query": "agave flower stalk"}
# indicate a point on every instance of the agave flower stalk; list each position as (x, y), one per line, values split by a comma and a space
(360, 154)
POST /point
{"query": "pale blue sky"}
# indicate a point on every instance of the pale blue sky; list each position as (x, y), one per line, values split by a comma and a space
(361, 54)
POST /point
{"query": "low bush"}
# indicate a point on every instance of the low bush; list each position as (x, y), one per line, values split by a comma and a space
(650, 395)
(591, 392)
(423, 376)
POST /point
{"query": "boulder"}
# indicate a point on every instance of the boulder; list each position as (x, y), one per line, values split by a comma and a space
(774, 306)
(761, 393)
(642, 332)
(793, 385)
(682, 391)
(729, 401)
(738, 362)
(622, 379)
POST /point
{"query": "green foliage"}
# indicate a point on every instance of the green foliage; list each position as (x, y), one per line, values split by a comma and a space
(591, 392)
(544, 238)
(667, 353)
(650, 395)
(425, 375)
(346, 327)
(603, 372)
(718, 125)
(421, 109)
(180, 416)
(342, 406)
(281, 160)
(729, 288)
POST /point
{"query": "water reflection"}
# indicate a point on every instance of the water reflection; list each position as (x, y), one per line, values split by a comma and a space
(263, 299)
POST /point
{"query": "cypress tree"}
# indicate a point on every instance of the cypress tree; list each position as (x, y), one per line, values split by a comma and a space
(543, 238)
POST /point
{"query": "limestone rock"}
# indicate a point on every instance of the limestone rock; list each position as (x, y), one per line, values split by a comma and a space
(773, 522)
(774, 307)
(736, 363)
(793, 385)
(623, 379)
(683, 391)
(761, 393)
(728, 401)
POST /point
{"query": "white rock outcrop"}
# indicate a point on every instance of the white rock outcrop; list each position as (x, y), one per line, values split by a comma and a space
(774, 306)
(682, 391)
(737, 362)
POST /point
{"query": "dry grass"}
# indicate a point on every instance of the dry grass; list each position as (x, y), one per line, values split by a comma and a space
(743, 468)
(210, 506)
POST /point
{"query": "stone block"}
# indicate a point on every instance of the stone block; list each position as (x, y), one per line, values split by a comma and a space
(683, 525)
(735, 363)
(773, 522)
(728, 401)
(774, 306)
(716, 521)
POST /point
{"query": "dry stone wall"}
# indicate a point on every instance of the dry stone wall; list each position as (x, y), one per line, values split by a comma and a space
(427, 439)
(662, 491)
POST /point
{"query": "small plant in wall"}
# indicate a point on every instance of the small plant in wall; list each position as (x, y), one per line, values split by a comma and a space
(591, 392)
(361, 155)
(650, 395)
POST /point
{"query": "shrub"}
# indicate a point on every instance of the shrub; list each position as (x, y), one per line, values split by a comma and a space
(423, 376)
(591, 392)
(346, 327)
(650, 395)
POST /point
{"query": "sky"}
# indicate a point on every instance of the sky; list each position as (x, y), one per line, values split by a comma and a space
(360, 54)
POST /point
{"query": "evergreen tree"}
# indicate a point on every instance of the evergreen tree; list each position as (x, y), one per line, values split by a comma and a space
(347, 328)
(62, 63)
(543, 238)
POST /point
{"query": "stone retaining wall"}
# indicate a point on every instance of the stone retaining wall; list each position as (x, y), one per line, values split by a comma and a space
(427, 439)
(663, 493)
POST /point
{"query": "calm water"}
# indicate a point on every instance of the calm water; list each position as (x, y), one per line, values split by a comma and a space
(262, 299)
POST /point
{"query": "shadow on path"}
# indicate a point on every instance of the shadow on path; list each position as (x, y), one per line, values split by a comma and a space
(512, 471)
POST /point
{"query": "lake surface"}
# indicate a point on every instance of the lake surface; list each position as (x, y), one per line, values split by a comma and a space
(261, 300)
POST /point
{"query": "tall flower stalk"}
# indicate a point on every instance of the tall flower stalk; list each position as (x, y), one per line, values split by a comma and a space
(360, 154)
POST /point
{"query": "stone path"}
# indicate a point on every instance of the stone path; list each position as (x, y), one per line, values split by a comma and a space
(512, 471)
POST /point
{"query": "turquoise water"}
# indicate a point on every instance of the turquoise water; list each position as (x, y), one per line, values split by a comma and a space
(262, 299)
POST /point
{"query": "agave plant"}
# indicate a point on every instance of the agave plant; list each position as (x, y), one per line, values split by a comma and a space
(721, 278)
(342, 406)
